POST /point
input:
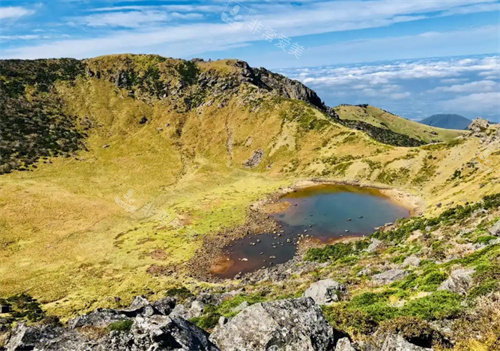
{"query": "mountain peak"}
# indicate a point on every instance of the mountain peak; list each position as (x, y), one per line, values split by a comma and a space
(448, 121)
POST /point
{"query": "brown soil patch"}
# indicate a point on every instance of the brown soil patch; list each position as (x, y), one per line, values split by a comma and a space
(276, 207)
(158, 254)
(220, 265)
(157, 270)
(94, 333)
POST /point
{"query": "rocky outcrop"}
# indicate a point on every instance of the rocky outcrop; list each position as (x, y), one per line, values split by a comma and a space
(374, 245)
(98, 318)
(287, 87)
(495, 229)
(192, 84)
(383, 135)
(194, 310)
(459, 281)
(326, 291)
(344, 344)
(412, 261)
(160, 333)
(486, 132)
(478, 126)
(389, 276)
(141, 326)
(254, 161)
(297, 324)
(395, 342)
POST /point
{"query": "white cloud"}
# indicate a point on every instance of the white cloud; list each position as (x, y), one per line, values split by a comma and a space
(178, 8)
(408, 87)
(20, 37)
(453, 80)
(186, 16)
(182, 40)
(132, 19)
(476, 104)
(400, 96)
(284, 18)
(13, 12)
(471, 87)
(387, 74)
(428, 44)
(472, 9)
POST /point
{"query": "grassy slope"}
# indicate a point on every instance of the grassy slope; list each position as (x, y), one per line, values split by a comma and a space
(68, 243)
(383, 119)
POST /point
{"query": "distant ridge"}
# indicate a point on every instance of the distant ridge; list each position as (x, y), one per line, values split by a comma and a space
(448, 121)
(390, 128)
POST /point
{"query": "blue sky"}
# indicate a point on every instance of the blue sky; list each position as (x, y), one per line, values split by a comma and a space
(319, 42)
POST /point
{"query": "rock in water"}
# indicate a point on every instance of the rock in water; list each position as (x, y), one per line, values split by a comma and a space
(325, 291)
(295, 324)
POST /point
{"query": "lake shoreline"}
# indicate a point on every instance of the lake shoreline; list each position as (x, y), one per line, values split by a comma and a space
(211, 261)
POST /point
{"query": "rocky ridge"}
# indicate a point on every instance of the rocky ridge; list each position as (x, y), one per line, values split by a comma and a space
(290, 324)
(35, 123)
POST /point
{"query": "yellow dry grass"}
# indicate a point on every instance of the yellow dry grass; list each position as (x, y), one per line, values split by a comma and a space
(383, 119)
(77, 232)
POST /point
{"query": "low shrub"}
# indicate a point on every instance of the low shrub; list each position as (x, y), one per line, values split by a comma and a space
(121, 326)
(482, 289)
(23, 306)
(211, 313)
(416, 330)
(181, 293)
(438, 305)
(336, 251)
(485, 239)
(451, 215)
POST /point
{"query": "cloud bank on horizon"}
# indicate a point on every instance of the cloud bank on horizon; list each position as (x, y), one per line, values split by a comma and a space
(412, 88)
(276, 34)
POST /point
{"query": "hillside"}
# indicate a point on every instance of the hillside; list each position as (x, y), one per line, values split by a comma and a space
(448, 121)
(403, 130)
(119, 170)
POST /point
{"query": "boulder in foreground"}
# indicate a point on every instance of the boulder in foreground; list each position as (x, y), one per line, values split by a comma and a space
(295, 324)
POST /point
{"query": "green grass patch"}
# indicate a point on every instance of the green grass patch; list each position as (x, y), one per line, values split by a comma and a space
(336, 252)
(227, 308)
(121, 326)
(485, 239)
(452, 215)
(181, 293)
(482, 289)
(438, 305)
(367, 310)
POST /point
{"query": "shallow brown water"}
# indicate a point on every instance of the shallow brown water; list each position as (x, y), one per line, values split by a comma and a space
(322, 212)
